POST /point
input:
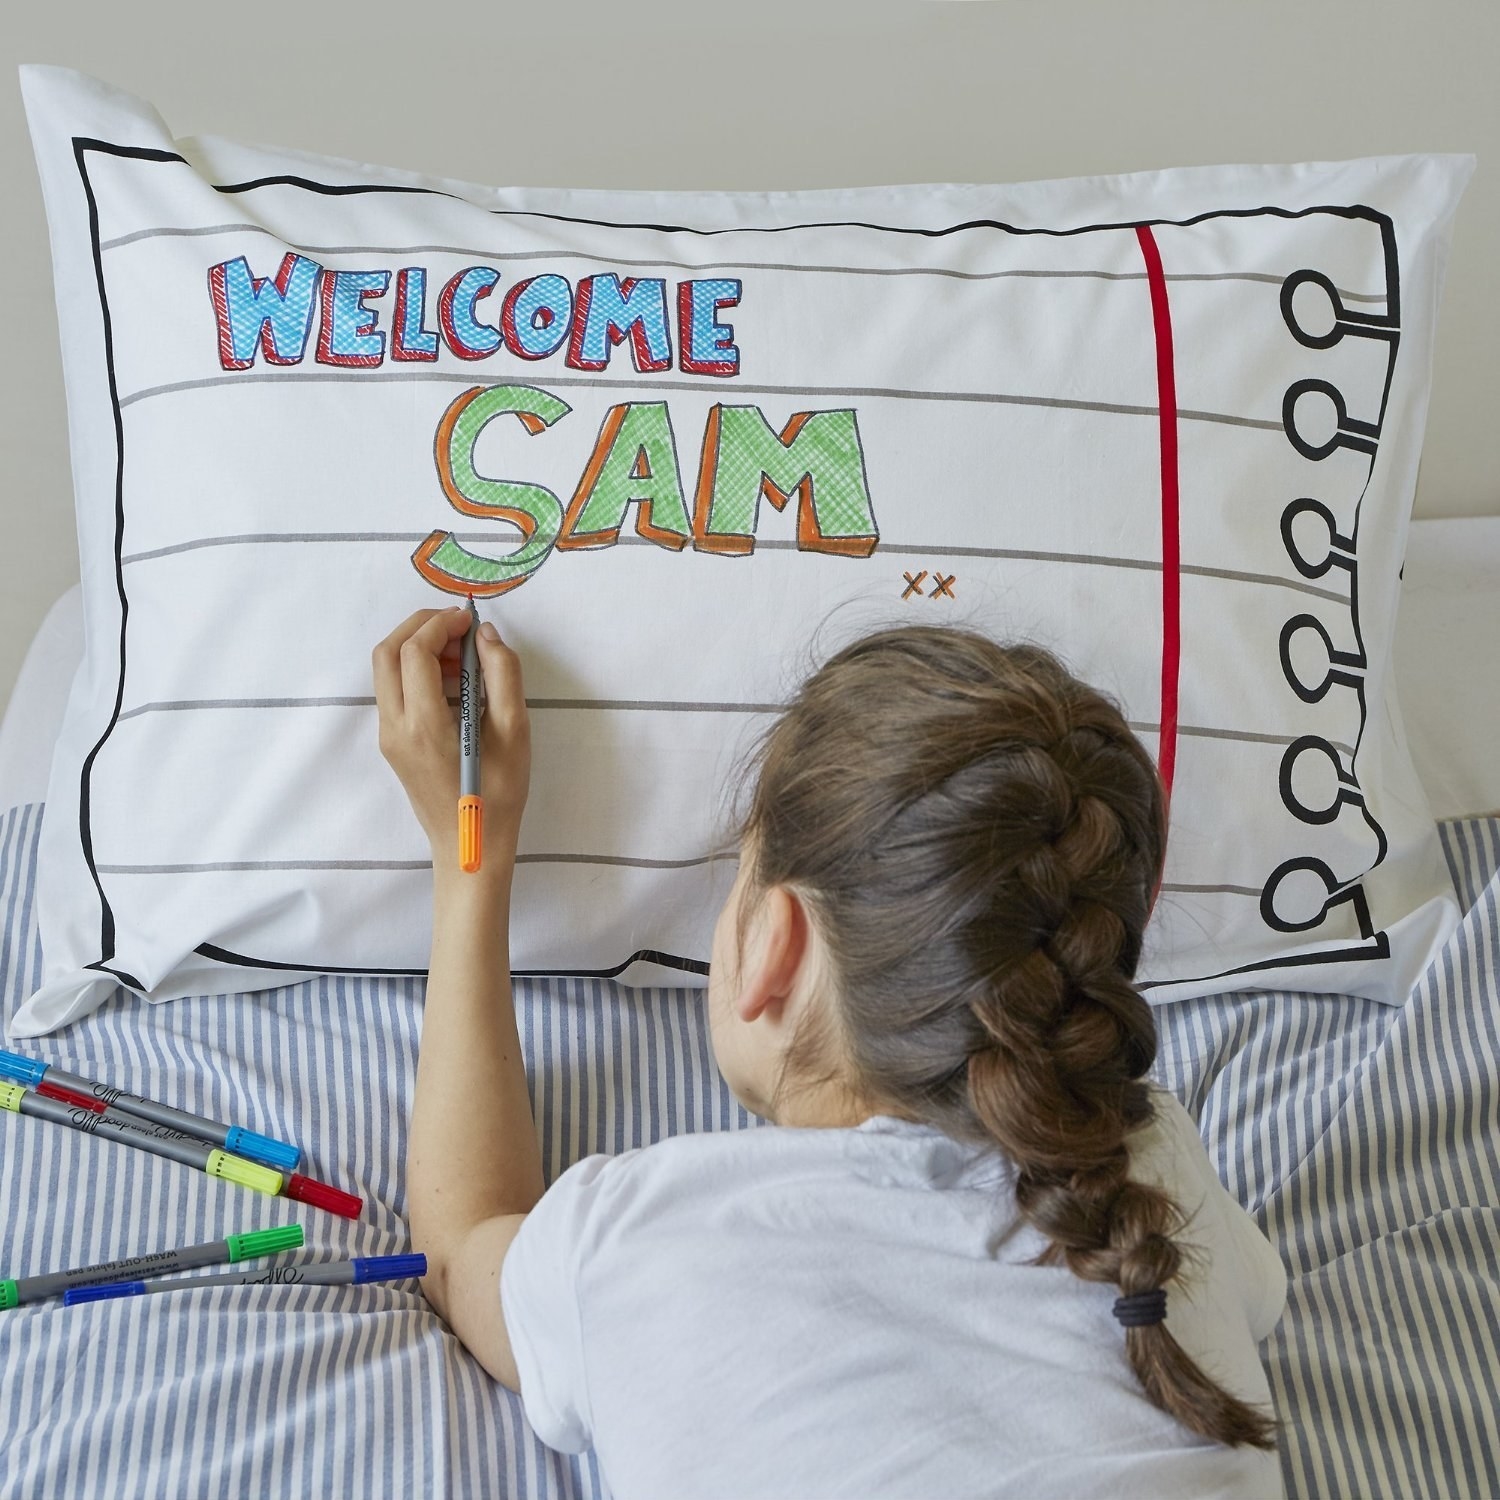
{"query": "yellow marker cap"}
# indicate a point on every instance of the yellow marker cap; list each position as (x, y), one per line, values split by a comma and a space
(247, 1173)
(10, 1097)
(470, 832)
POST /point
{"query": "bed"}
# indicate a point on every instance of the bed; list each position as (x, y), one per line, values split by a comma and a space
(1362, 1137)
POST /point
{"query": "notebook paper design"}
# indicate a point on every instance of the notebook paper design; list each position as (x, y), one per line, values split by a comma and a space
(682, 446)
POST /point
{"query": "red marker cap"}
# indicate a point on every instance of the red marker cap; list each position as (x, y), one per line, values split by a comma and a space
(322, 1195)
(67, 1096)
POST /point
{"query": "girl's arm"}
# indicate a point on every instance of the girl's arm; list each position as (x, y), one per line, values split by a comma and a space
(473, 1168)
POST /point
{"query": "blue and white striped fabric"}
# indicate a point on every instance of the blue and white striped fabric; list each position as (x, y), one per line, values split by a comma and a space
(1362, 1137)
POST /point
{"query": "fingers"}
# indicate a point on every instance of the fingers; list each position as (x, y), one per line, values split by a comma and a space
(421, 667)
(406, 666)
(504, 691)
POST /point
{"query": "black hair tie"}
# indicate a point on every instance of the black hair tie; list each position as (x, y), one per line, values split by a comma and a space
(1143, 1309)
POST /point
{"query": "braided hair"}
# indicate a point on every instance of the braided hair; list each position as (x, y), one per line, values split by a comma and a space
(980, 838)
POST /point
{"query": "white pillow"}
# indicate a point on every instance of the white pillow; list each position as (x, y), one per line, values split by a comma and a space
(1162, 422)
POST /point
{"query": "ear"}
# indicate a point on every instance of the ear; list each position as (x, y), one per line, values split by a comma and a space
(777, 944)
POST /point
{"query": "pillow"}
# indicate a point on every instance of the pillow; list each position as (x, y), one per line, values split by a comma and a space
(682, 445)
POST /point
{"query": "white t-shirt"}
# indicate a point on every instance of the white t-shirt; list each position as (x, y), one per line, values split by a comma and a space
(804, 1314)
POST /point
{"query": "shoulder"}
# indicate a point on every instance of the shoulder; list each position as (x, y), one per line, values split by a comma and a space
(739, 1172)
(643, 1176)
(1169, 1151)
(702, 1150)
(1229, 1247)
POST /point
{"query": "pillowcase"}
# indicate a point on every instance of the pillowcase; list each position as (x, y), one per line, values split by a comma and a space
(682, 445)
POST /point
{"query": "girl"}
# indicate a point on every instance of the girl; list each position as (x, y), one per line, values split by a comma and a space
(914, 1283)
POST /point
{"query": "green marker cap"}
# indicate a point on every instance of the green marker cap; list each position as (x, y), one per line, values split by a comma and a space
(10, 1097)
(264, 1242)
(10, 1295)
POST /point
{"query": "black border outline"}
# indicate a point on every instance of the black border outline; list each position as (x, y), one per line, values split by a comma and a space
(84, 144)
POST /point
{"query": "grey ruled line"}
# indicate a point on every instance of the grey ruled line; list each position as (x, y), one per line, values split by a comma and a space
(396, 252)
(638, 384)
(240, 865)
(645, 705)
(1228, 890)
(405, 864)
(1238, 734)
(1202, 732)
(615, 704)
(896, 549)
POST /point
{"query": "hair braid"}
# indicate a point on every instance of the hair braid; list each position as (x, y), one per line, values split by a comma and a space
(980, 836)
(1062, 1083)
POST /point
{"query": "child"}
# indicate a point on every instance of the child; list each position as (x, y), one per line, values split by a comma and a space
(922, 978)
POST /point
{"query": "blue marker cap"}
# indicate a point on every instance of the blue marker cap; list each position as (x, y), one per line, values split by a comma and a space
(242, 1142)
(103, 1293)
(22, 1069)
(389, 1267)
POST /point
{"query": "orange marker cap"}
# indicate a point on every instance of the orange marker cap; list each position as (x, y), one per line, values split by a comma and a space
(470, 832)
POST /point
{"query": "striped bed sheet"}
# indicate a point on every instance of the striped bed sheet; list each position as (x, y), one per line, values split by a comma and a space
(1362, 1138)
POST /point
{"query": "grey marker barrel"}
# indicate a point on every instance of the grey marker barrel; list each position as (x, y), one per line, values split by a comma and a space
(125, 1129)
(159, 1263)
(146, 1109)
(339, 1273)
(123, 1120)
(328, 1273)
(146, 1135)
(233, 1138)
(55, 1283)
(469, 706)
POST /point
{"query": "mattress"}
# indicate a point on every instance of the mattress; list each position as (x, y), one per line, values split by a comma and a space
(1362, 1137)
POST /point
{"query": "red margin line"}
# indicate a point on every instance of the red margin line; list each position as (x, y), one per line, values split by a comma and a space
(1171, 574)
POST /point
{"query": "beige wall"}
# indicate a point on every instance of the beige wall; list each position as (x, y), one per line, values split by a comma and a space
(765, 93)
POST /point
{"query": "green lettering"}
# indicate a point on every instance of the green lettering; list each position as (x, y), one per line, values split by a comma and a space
(634, 461)
(532, 507)
(817, 456)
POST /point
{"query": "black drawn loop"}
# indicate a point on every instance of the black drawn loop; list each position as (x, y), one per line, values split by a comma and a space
(1355, 324)
(1354, 897)
(1336, 659)
(1360, 436)
(1347, 791)
(1311, 744)
(1340, 551)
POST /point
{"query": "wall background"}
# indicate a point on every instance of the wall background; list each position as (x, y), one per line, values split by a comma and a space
(769, 94)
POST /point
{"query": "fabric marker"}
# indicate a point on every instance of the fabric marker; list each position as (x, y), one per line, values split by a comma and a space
(116, 1117)
(294, 1185)
(335, 1273)
(470, 803)
(235, 1248)
(126, 1130)
(233, 1138)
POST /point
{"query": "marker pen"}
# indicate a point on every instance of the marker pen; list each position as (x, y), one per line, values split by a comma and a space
(233, 1138)
(125, 1130)
(336, 1273)
(110, 1116)
(293, 1185)
(236, 1247)
(470, 802)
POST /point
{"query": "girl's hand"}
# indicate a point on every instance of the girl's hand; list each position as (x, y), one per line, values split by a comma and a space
(419, 728)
